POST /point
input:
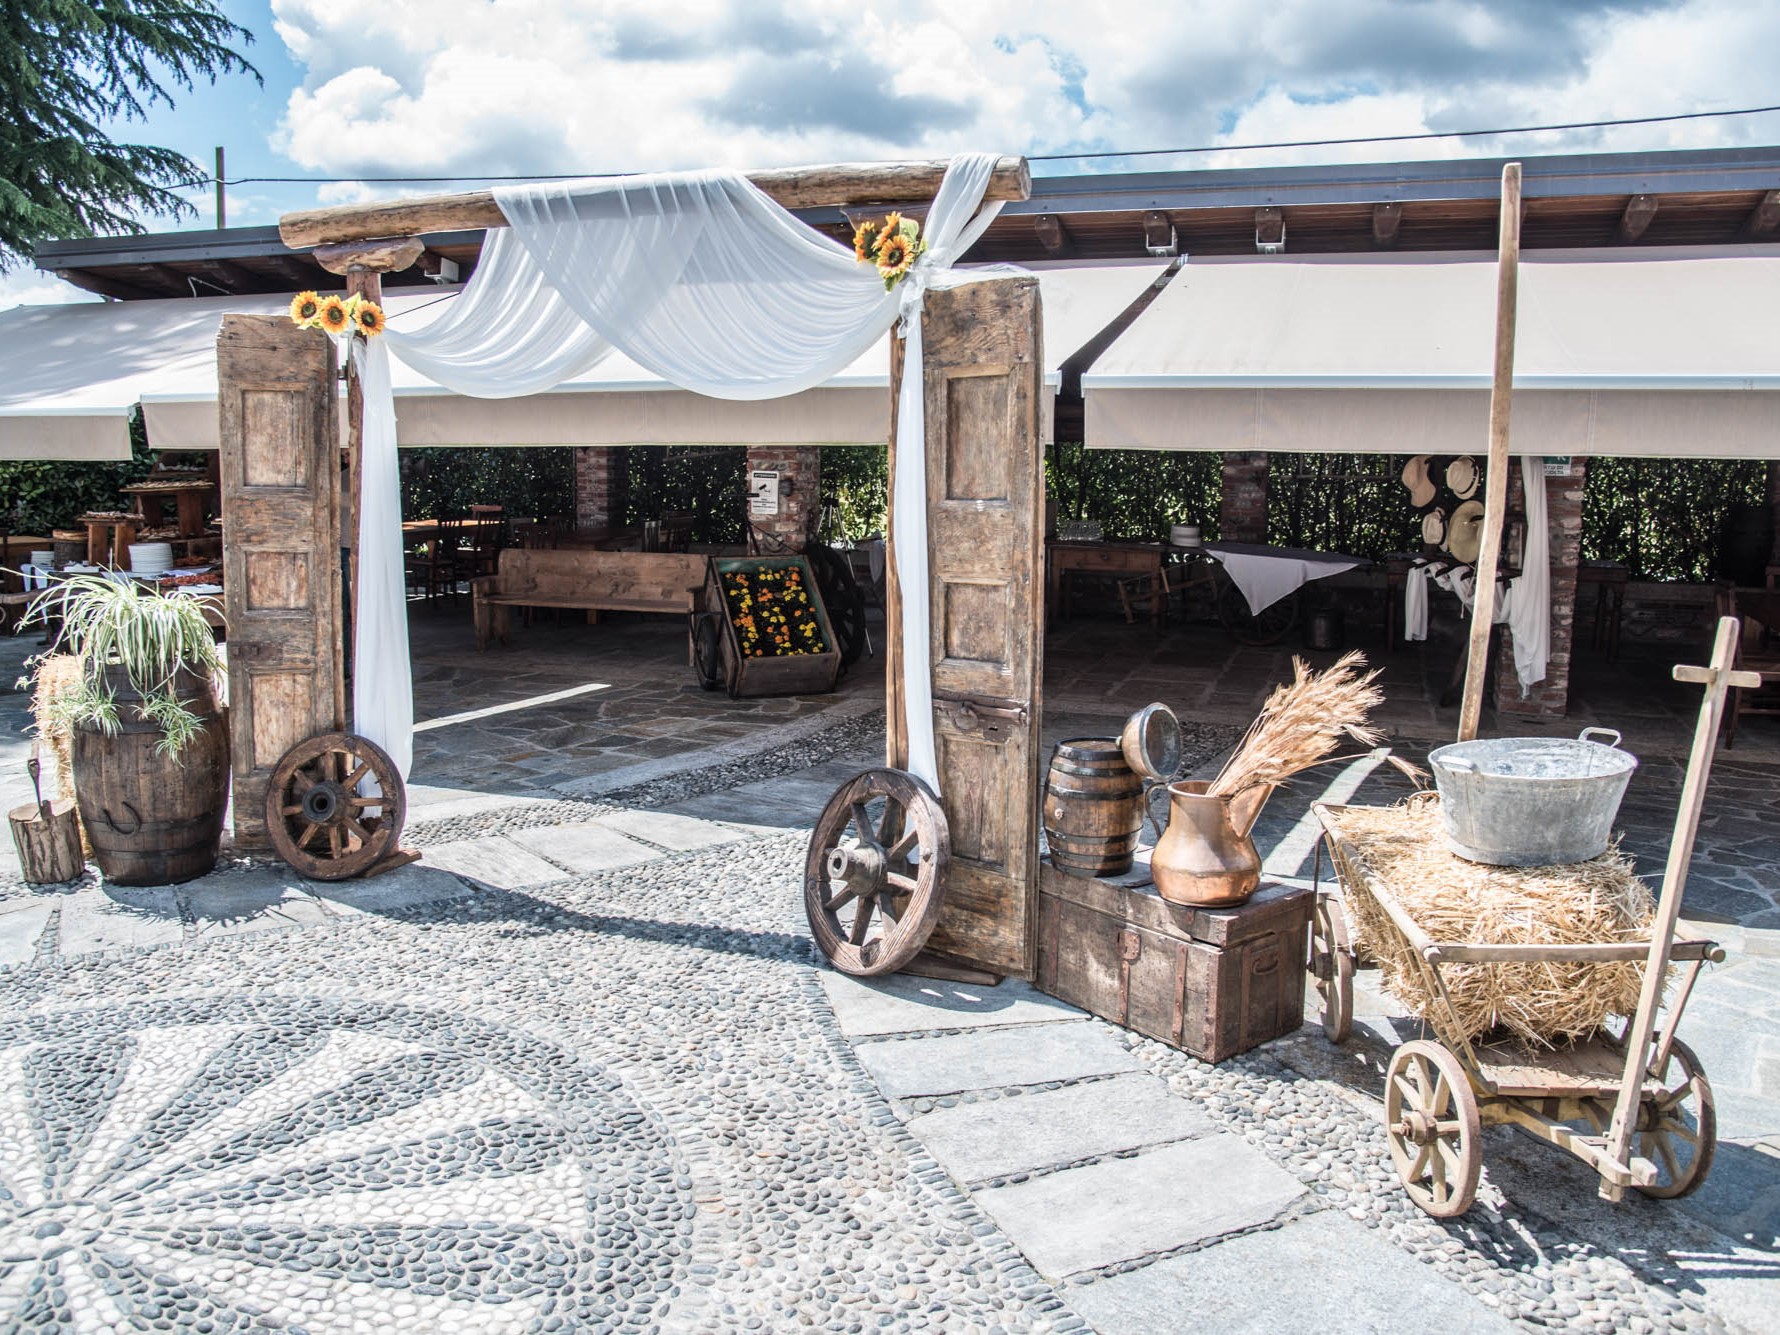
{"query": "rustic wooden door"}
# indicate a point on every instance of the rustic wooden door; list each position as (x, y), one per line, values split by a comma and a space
(279, 432)
(985, 486)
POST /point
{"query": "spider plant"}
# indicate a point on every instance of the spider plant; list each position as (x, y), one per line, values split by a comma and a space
(151, 636)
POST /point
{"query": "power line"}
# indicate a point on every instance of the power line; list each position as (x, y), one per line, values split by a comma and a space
(1061, 157)
(1400, 138)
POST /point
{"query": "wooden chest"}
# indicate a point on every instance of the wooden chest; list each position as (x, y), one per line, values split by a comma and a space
(1213, 982)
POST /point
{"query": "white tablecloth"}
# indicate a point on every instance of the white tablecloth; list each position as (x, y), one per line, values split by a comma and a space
(1267, 574)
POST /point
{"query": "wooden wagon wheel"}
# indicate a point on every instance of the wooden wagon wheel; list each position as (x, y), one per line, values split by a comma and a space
(878, 854)
(1332, 965)
(1678, 1127)
(319, 821)
(1431, 1121)
(1256, 629)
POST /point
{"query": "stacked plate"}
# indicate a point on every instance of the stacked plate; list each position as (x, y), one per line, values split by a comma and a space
(151, 559)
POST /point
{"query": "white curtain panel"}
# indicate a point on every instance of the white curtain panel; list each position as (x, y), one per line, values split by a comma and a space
(704, 280)
(382, 682)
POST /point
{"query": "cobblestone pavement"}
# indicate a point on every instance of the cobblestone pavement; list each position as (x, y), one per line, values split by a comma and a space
(577, 1070)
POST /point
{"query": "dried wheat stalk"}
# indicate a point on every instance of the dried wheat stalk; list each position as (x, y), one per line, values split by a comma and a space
(1302, 723)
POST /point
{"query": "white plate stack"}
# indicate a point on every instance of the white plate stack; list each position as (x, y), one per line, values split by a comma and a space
(150, 560)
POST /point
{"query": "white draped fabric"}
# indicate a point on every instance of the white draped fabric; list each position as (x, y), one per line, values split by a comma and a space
(382, 685)
(704, 280)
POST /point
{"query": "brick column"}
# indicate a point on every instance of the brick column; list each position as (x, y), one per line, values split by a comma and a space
(598, 488)
(795, 524)
(1550, 699)
(1242, 509)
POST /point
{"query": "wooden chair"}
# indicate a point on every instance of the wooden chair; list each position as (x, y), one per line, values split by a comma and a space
(1150, 596)
(1758, 650)
(449, 562)
(676, 530)
(486, 539)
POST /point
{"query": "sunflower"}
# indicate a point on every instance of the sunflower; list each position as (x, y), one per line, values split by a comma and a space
(865, 241)
(368, 318)
(894, 258)
(304, 308)
(334, 317)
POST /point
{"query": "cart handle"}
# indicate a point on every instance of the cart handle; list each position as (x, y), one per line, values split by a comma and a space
(1593, 952)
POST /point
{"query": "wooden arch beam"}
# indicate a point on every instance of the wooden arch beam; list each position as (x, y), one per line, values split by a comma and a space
(794, 187)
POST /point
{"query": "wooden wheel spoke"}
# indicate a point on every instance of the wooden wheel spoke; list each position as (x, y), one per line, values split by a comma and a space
(900, 849)
(861, 921)
(893, 815)
(907, 885)
(309, 833)
(301, 782)
(363, 835)
(1665, 1150)
(1437, 1170)
(847, 893)
(1442, 1099)
(362, 803)
(862, 823)
(335, 841)
(352, 781)
(1418, 1168)
(291, 811)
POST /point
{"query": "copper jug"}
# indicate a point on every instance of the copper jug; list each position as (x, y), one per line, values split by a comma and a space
(1205, 857)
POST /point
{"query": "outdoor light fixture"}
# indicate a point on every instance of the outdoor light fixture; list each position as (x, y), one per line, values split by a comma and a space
(1158, 234)
(441, 270)
(1270, 231)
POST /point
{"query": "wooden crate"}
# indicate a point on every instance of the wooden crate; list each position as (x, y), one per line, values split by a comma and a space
(1212, 982)
(792, 674)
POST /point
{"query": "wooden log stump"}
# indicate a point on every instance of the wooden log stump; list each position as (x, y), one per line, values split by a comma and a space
(48, 840)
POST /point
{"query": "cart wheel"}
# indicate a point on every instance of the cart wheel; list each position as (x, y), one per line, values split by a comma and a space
(881, 846)
(319, 822)
(1678, 1128)
(1430, 1117)
(707, 649)
(1245, 627)
(1332, 965)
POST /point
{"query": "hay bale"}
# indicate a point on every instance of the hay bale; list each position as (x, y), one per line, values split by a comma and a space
(1542, 1004)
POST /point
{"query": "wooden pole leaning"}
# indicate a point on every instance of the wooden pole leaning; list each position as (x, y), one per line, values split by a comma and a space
(835, 185)
(1718, 679)
(1495, 502)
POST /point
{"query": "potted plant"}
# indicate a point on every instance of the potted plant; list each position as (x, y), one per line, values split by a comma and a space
(149, 745)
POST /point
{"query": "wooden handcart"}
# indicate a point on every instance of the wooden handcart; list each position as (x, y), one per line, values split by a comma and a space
(1633, 1102)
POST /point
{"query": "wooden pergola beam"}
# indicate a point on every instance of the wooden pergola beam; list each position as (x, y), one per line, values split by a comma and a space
(1051, 233)
(837, 185)
(1386, 219)
(1764, 218)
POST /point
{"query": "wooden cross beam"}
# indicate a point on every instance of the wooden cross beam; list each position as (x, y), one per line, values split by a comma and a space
(794, 187)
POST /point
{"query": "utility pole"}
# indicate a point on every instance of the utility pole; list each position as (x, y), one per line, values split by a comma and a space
(222, 208)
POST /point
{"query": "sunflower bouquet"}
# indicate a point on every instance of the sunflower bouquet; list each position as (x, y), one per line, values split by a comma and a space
(893, 243)
(337, 315)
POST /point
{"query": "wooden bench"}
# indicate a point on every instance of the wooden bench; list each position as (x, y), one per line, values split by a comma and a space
(585, 581)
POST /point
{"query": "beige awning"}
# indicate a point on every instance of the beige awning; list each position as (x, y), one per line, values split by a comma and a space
(74, 372)
(1651, 352)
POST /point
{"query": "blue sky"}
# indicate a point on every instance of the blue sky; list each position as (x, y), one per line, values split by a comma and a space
(462, 87)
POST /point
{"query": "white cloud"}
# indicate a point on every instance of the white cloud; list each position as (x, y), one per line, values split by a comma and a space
(461, 87)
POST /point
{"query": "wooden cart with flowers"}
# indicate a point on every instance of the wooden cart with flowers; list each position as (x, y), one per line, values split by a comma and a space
(776, 636)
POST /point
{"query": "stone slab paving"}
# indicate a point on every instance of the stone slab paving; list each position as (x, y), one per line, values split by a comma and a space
(494, 860)
(993, 1059)
(1121, 1209)
(980, 1143)
(1287, 1279)
(902, 1003)
(585, 848)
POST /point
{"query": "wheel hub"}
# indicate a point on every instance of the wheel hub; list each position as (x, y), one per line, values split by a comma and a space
(323, 803)
(861, 867)
(1418, 1128)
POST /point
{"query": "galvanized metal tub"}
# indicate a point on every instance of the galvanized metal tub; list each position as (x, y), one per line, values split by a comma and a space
(1531, 801)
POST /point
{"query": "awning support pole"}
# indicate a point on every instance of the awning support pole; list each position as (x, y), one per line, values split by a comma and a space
(1495, 500)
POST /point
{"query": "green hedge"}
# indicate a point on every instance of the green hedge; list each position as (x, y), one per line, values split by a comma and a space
(441, 482)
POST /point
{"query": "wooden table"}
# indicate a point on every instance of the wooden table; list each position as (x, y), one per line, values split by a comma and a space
(1114, 559)
(190, 498)
(425, 530)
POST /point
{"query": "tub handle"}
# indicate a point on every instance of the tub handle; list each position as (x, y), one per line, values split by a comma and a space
(1463, 764)
(1587, 733)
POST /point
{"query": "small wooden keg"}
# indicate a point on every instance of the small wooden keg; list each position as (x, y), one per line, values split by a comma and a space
(1093, 808)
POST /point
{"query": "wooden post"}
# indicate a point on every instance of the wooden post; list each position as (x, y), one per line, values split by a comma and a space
(363, 267)
(1718, 679)
(1495, 502)
(896, 732)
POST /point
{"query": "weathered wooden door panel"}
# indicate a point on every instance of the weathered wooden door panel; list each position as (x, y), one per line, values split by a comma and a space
(281, 514)
(985, 469)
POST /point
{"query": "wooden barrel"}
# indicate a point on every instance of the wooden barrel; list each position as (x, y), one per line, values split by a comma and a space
(1093, 808)
(153, 819)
